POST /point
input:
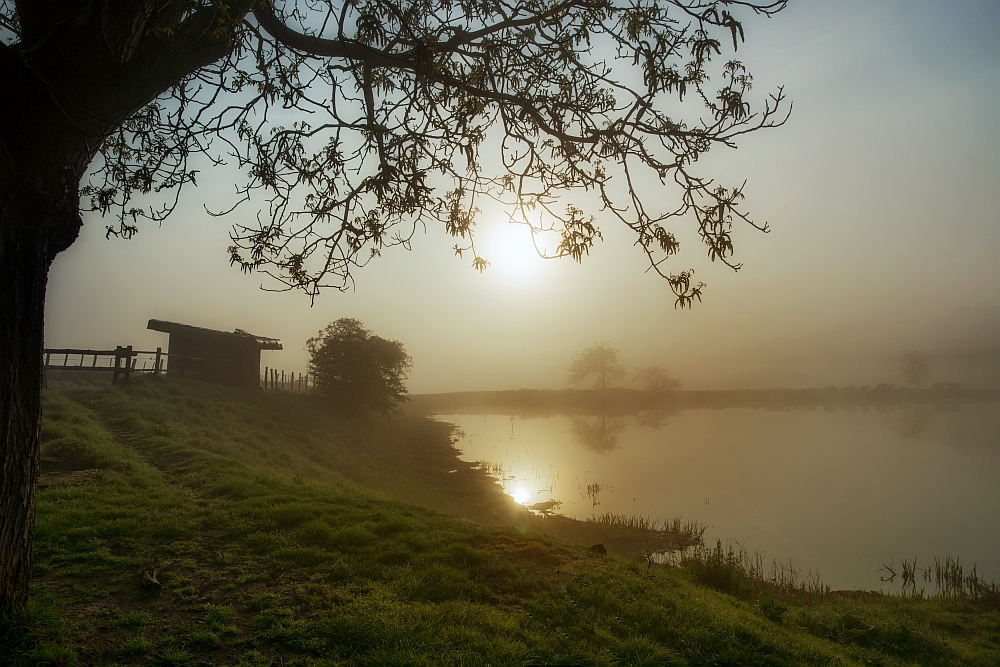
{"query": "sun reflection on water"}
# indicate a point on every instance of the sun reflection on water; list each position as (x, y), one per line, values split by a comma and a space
(520, 495)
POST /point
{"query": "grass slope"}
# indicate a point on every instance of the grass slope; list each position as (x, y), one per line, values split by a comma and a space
(278, 556)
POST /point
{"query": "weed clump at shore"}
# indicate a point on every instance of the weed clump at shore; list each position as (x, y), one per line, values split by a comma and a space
(946, 577)
(643, 537)
(734, 571)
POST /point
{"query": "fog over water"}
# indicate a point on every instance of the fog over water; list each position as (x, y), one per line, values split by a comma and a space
(838, 493)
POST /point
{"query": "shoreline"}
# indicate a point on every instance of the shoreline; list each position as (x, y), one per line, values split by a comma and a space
(619, 401)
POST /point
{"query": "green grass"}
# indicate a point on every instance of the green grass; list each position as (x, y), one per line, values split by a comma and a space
(295, 538)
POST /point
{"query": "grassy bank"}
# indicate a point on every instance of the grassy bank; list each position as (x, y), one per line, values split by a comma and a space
(279, 535)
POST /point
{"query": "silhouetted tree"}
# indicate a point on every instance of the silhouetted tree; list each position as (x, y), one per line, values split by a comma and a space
(656, 378)
(354, 122)
(600, 362)
(914, 367)
(357, 371)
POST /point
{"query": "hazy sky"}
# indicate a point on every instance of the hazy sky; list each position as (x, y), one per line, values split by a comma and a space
(881, 193)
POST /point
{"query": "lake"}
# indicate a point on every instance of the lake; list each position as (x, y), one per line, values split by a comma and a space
(835, 491)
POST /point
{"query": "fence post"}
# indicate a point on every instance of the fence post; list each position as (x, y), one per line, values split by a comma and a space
(156, 364)
(118, 356)
(128, 364)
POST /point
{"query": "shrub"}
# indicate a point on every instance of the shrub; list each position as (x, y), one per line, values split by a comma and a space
(357, 371)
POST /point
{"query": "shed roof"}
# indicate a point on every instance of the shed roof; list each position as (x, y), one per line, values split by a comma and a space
(263, 342)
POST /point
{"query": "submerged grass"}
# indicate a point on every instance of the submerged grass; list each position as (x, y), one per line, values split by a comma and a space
(946, 577)
(250, 513)
(647, 538)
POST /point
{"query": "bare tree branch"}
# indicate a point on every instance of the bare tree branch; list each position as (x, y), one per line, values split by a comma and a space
(396, 102)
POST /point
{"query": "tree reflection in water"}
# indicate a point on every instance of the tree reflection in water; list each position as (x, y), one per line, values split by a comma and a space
(914, 422)
(597, 434)
(654, 419)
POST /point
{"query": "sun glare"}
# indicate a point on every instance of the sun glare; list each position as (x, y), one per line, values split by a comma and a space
(512, 254)
(520, 495)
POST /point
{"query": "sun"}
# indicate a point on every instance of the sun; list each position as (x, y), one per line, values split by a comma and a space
(512, 254)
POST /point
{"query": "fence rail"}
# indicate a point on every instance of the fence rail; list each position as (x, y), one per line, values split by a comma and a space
(121, 361)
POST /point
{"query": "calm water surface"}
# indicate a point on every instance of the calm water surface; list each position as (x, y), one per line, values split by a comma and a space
(836, 492)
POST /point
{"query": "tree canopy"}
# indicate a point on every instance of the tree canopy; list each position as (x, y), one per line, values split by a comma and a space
(656, 378)
(598, 362)
(357, 371)
(914, 367)
(355, 122)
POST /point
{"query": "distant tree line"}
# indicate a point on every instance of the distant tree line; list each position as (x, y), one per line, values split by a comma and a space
(600, 364)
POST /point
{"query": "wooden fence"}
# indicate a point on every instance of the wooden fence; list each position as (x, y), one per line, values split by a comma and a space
(272, 378)
(121, 362)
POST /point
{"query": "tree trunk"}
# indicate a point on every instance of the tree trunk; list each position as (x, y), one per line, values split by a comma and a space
(72, 79)
(22, 302)
(32, 231)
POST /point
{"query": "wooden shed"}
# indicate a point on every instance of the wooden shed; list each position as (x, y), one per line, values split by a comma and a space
(231, 358)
